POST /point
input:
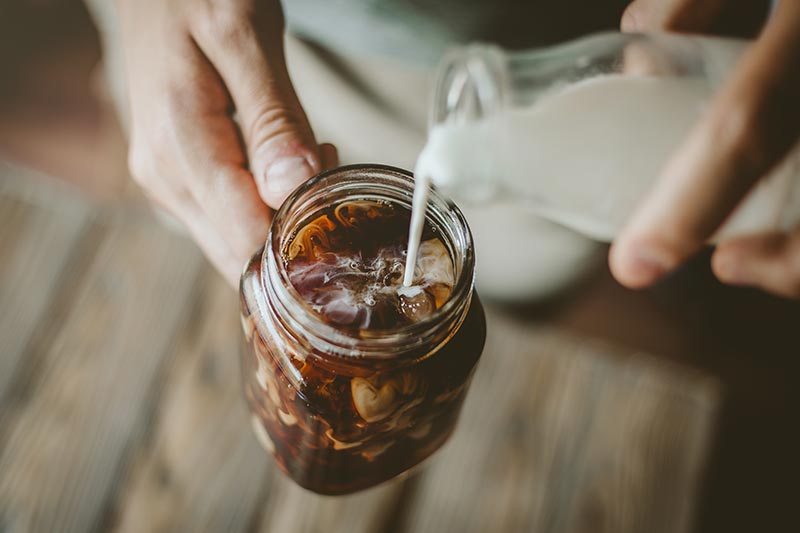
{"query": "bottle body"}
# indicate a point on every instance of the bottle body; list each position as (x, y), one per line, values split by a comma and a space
(342, 410)
(578, 133)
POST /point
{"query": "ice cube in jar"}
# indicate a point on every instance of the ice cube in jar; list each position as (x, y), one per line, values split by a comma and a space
(348, 263)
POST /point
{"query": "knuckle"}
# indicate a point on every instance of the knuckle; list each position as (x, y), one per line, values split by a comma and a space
(274, 119)
(225, 21)
(631, 20)
(185, 101)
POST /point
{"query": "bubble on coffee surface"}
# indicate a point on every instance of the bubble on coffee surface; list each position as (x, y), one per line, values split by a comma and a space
(348, 263)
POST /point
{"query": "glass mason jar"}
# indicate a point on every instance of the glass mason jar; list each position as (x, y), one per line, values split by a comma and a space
(341, 409)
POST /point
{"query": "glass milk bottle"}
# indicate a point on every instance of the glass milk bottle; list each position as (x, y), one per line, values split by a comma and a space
(576, 134)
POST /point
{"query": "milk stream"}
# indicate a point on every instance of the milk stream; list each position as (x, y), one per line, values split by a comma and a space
(584, 156)
(419, 206)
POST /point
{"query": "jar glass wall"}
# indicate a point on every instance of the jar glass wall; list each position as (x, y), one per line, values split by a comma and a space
(343, 409)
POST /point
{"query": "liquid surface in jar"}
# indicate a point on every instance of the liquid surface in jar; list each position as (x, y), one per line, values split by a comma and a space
(348, 262)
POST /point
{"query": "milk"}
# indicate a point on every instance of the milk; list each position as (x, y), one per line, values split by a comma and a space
(584, 155)
(418, 208)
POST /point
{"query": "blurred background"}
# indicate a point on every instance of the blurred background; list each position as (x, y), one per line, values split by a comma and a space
(53, 101)
(672, 409)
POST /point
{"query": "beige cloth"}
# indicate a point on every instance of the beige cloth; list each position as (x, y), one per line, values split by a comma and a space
(375, 111)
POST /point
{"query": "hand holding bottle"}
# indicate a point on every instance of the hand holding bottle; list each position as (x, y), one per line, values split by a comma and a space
(749, 128)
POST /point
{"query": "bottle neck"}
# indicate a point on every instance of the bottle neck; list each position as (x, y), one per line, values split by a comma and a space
(473, 82)
(476, 81)
(463, 145)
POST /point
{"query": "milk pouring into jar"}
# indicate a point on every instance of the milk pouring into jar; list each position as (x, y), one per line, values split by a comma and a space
(577, 134)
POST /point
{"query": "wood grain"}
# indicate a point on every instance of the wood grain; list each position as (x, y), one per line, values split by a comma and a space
(66, 442)
(291, 508)
(38, 231)
(560, 435)
(203, 469)
(122, 407)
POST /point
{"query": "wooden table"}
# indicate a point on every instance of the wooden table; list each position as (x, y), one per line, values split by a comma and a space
(607, 410)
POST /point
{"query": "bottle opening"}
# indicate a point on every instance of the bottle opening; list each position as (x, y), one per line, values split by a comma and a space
(471, 85)
(464, 143)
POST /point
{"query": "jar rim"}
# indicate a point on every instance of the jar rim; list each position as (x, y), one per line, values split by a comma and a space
(391, 343)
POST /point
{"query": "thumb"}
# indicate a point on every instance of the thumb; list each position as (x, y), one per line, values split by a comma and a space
(723, 17)
(670, 15)
(247, 51)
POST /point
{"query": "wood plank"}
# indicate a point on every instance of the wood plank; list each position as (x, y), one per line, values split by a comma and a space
(557, 435)
(291, 508)
(560, 435)
(38, 236)
(66, 440)
(203, 470)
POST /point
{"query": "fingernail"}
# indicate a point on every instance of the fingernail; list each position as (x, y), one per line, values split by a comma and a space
(649, 264)
(729, 270)
(284, 175)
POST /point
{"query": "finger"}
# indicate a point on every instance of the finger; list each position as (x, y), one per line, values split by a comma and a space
(329, 155)
(722, 17)
(229, 197)
(771, 262)
(247, 51)
(674, 15)
(210, 158)
(213, 245)
(329, 158)
(750, 126)
(213, 169)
